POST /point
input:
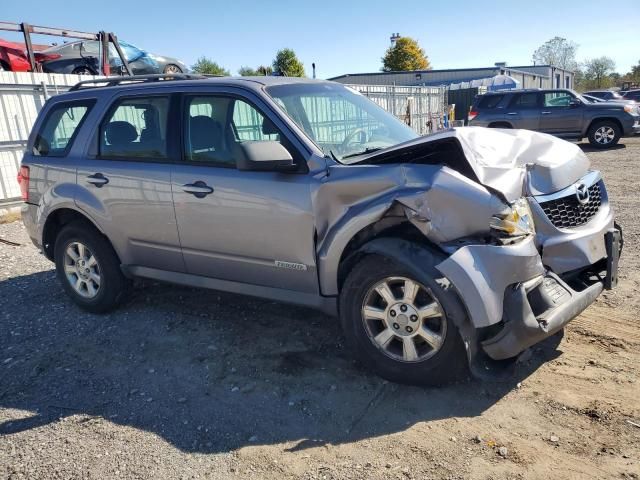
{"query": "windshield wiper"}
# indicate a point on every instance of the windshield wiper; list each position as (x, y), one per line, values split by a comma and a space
(363, 152)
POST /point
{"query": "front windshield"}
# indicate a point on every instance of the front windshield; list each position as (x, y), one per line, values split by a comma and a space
(340, 121)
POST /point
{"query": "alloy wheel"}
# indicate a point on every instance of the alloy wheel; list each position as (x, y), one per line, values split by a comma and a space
(172, 69)
(82, 270)
(604, 135)
(404, 320)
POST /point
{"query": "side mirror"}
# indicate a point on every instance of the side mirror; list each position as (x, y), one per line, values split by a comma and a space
(264, 156)
(574, 102)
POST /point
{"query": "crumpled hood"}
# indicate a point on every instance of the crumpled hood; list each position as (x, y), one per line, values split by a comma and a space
(499, 159)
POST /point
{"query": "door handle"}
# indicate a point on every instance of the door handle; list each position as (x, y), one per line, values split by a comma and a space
(512, 113)
(97, 179)
(199, 189)
(546, 112)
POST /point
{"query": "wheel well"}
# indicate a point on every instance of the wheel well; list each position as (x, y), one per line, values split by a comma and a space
(606, 119)
(55, 222)
(500, 125)
(386, 227)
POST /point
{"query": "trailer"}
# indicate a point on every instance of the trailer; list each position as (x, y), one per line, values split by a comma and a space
(105, 38)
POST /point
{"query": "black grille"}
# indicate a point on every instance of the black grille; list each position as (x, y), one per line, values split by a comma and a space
(567, 212)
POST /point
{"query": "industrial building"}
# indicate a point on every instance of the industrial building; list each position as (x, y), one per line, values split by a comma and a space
(530, 76)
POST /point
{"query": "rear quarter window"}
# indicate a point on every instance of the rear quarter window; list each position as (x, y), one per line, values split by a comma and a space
(60, 127)
(490, 101)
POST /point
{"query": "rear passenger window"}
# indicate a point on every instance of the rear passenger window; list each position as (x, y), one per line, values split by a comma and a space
(490, 101)
(557, 99)
(525, 100)
(60, 128)
(136, 128)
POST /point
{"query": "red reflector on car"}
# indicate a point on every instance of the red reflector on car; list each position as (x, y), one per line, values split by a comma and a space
(23, 181)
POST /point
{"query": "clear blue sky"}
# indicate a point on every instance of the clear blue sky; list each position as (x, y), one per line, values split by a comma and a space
(348, 36)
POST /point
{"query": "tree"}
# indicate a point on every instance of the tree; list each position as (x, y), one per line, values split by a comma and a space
(598, 71)
(634, 75)
(261, 71)
(405, 55)
(206, 66)
(266, 70)
(247, 72)
(559, 52)
(287, 64)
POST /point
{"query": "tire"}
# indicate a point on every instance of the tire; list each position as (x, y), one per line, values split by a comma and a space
(83, 71)
(500, 125)
(112, 287)
(171, 68)
(433, 366)
(604, 134)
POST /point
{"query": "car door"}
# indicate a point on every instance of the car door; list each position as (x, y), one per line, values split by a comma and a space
(253, 227)
(125, 181)
(524, 110)
(560, 114)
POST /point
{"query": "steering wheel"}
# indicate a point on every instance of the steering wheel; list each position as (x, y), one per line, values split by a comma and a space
(349, 138)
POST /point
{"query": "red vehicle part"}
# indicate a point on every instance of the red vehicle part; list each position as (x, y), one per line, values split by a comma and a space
(13, 57)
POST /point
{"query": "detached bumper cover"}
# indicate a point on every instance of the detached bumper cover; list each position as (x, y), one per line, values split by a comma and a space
(523, 329)
(539, 308)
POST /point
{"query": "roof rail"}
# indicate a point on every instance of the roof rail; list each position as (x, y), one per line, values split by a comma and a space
(113, 81)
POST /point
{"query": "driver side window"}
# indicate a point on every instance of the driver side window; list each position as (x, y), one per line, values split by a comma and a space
(216, 126)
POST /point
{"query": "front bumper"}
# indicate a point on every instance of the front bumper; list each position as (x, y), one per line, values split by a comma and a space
(539, 308)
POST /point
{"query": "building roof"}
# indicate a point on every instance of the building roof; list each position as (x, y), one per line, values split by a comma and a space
(521, 69)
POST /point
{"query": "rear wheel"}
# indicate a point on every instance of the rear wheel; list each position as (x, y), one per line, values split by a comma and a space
(83, 71)
(604, 134)
(171, 68)
(398, 324)
(88, 268)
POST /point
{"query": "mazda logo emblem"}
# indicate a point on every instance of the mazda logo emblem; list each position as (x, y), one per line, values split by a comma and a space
(582, 193)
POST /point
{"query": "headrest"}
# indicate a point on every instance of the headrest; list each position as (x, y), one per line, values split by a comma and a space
(120, 133)
(205, 133)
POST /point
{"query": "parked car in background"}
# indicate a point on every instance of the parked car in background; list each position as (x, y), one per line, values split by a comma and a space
(435, 251)
(13, 58)
(604, 94)
(559, 112)
(632, 95)
(83, 58)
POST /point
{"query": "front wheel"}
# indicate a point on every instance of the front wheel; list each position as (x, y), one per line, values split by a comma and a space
(604, 134)
(398, 323)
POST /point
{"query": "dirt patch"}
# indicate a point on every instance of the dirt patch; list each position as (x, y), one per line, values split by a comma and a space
(185, 383)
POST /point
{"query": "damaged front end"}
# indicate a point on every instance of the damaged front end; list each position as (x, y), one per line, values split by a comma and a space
(500, 207)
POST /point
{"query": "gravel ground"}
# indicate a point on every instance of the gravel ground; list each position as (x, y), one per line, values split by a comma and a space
(185, 383)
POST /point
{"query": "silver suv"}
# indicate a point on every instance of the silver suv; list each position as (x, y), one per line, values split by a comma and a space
(437, 252)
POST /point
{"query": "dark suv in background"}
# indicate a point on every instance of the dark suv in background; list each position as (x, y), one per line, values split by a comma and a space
(559, 112)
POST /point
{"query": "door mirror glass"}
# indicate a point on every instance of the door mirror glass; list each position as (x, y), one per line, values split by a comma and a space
(264, 156)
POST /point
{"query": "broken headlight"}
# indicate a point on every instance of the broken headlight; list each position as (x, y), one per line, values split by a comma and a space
(515, 220)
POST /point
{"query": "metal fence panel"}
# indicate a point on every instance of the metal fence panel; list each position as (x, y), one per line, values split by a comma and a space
(22, 95)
